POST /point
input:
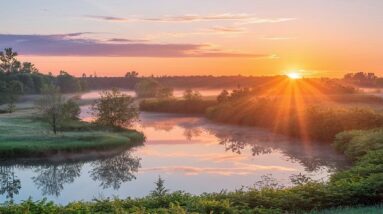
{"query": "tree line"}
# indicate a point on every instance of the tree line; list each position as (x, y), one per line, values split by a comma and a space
(18, 78)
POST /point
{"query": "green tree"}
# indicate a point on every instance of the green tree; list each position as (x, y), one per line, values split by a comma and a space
(28, 67)
(115, 109)
(13, 91)
(147, 87)
(8, 61)
(55, 109)
(71, 110)
(68, 83)
(160, 189)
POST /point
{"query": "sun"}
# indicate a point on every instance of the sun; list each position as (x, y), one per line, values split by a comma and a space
(294, 75)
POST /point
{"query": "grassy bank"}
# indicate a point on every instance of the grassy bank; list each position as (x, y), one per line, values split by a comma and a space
(299, 120)
(23, 136)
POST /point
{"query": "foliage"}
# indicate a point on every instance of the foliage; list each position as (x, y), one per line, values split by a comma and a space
(55, 109)
(11, 93)
(160, 189)
(30, 80)
(362, 78)
(147, 87)
(67, 83)
(355, 144)
(320, 123)
(114, 109)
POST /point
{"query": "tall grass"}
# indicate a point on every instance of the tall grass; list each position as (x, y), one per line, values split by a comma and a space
(312, 122)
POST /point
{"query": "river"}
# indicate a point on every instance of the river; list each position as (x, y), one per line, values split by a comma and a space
(191, 153)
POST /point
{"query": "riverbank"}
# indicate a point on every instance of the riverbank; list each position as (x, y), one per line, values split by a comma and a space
(23, 136)
(360, 185)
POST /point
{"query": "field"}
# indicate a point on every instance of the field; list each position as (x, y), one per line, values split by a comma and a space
(21, 135)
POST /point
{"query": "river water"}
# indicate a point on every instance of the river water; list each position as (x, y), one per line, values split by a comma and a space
(191, 153)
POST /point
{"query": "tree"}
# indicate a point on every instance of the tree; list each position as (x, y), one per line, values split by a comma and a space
(114, 109)
(223, 96)
(147, 87)
(131, 74)
(13, 91)
(68, 83)
(165, 92)
(71, 110)
(28, 67)
(190, 95)
(8, 61)
(55, 109)
(160, 189)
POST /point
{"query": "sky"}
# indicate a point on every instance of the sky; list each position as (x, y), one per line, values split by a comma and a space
(196, 37)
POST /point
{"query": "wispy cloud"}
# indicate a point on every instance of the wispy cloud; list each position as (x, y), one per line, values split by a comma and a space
(193, 18)
(107, 18)
(219, 29)
(241, 18)
(70, 45)
(257, 20)
(122, 40)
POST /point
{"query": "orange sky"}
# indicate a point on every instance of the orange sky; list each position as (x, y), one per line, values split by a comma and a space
(250, 37)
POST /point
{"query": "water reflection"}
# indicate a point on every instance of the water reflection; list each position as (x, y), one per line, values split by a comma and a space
(51, 176)
(50, 179)
(312, 156)
(114, 171)
(191, 153)
(10, 184)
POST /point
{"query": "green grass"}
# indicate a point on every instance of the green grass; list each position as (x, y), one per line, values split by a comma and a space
(351, 210)
(23, 136)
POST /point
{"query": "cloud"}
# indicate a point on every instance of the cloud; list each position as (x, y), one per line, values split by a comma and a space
(107, 18)
(243, 18)
(256, 20)
(193, 18)
(127, 40)
(227, 30)
(70, 45)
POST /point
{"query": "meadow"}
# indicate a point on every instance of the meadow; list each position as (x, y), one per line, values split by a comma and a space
(24, 136)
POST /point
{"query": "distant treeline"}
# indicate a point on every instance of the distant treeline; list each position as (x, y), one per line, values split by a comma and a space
(213, 82)
(129, 82)
(17, 78)
(364, 79)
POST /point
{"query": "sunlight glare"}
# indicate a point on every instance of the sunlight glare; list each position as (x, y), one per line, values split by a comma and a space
(294, 75)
